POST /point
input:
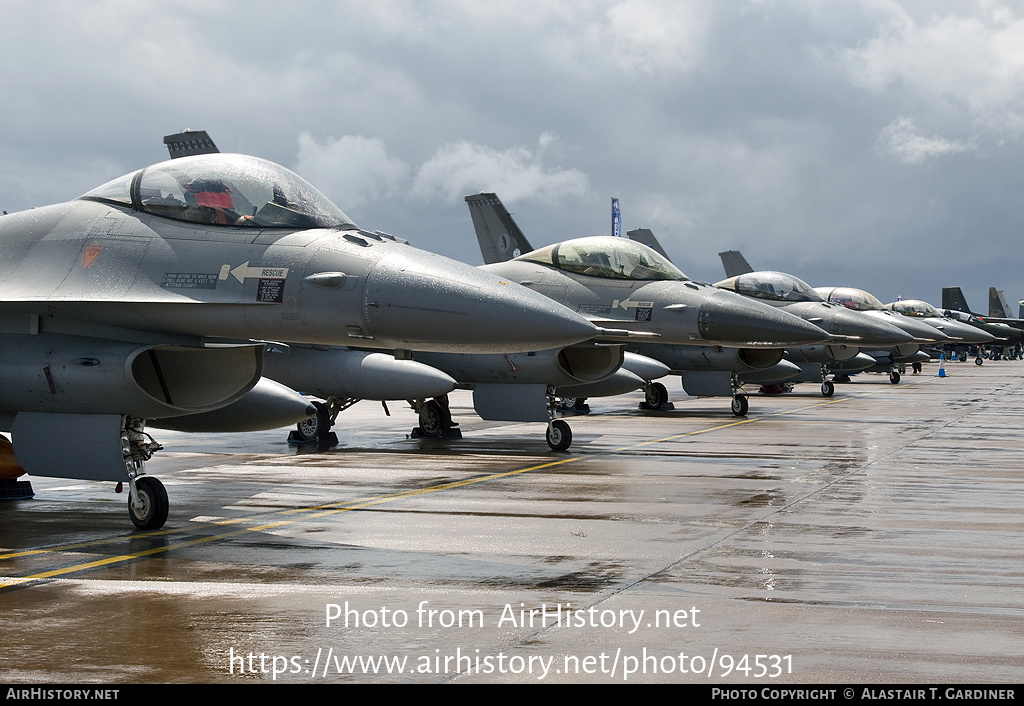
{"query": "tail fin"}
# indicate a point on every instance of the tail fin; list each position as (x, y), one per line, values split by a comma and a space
(190, 142)
(646, 237)
(953, 298)
(499, 236)
(734, 263)
(997, 304)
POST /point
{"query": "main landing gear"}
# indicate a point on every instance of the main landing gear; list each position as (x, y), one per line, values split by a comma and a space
(435, 419)
(655, 395)
(317, 427)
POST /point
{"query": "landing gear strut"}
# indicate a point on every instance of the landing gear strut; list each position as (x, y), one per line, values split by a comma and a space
(147, 503)
(739, 400)
(318, 426)
(655, 395)
(147, 499)
(435, 419)
(559, 435)
(828, 388)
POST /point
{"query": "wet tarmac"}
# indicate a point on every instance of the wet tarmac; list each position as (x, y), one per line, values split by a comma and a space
(872, 537)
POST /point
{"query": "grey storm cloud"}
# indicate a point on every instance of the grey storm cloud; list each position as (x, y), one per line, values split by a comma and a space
(873, 143)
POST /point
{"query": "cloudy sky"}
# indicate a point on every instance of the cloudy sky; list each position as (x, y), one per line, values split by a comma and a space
(868, 143)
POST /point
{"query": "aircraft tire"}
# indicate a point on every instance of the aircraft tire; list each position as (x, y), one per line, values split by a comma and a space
(894, 377)
(656, 395)
(155, 505)
(567, 403)
(315, 425)
(977, 361)
(559, 435)
(827, 388)
(740, 405)
(431, 419)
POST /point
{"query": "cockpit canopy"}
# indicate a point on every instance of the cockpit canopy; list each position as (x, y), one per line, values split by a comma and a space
(773, 286)
(914, 307)
(856, 299)
(224, 189)
(607, 257)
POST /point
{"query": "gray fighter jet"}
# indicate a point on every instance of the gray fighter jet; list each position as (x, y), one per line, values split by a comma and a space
(616, 279)
(153, 296)
(962, 335)
(797, 297)
(890, 359)
(1007, 330)
(343, 376)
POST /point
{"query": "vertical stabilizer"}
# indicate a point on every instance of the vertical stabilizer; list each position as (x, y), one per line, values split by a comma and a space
(953, 298)
(734, 263)
(997, 304)
(646, 237)
(499, 236)
(190, 142)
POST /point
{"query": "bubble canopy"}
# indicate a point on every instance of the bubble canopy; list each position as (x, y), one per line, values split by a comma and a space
(224, 189)
(773, 286)
(606, 257)
(856, 299)
(914, 307)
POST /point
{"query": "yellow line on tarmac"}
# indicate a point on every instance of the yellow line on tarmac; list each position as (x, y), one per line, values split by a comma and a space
(318, 511)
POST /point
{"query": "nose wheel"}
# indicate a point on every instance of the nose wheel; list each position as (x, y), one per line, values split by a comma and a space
(147, 503)
(559, 435)
(740, 405)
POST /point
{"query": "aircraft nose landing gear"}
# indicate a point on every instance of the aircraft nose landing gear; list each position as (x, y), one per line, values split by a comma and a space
(147, 503)
(147, 498)
(559, 435)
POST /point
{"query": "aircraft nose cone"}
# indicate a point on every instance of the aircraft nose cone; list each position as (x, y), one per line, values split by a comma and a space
(431, 303)
(962, 332)
(729, 319)
(870, 332)
(916, 328)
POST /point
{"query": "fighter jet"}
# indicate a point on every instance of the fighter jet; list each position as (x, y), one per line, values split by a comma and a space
(153, 296)
(797, 297)
(715, 371)
(889, 359)
(962, 335)
(955, 306)
(343, 376)
(616, 279)
(999, 308)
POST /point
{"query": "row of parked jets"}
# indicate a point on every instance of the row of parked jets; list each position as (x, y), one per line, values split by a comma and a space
(205, 293)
